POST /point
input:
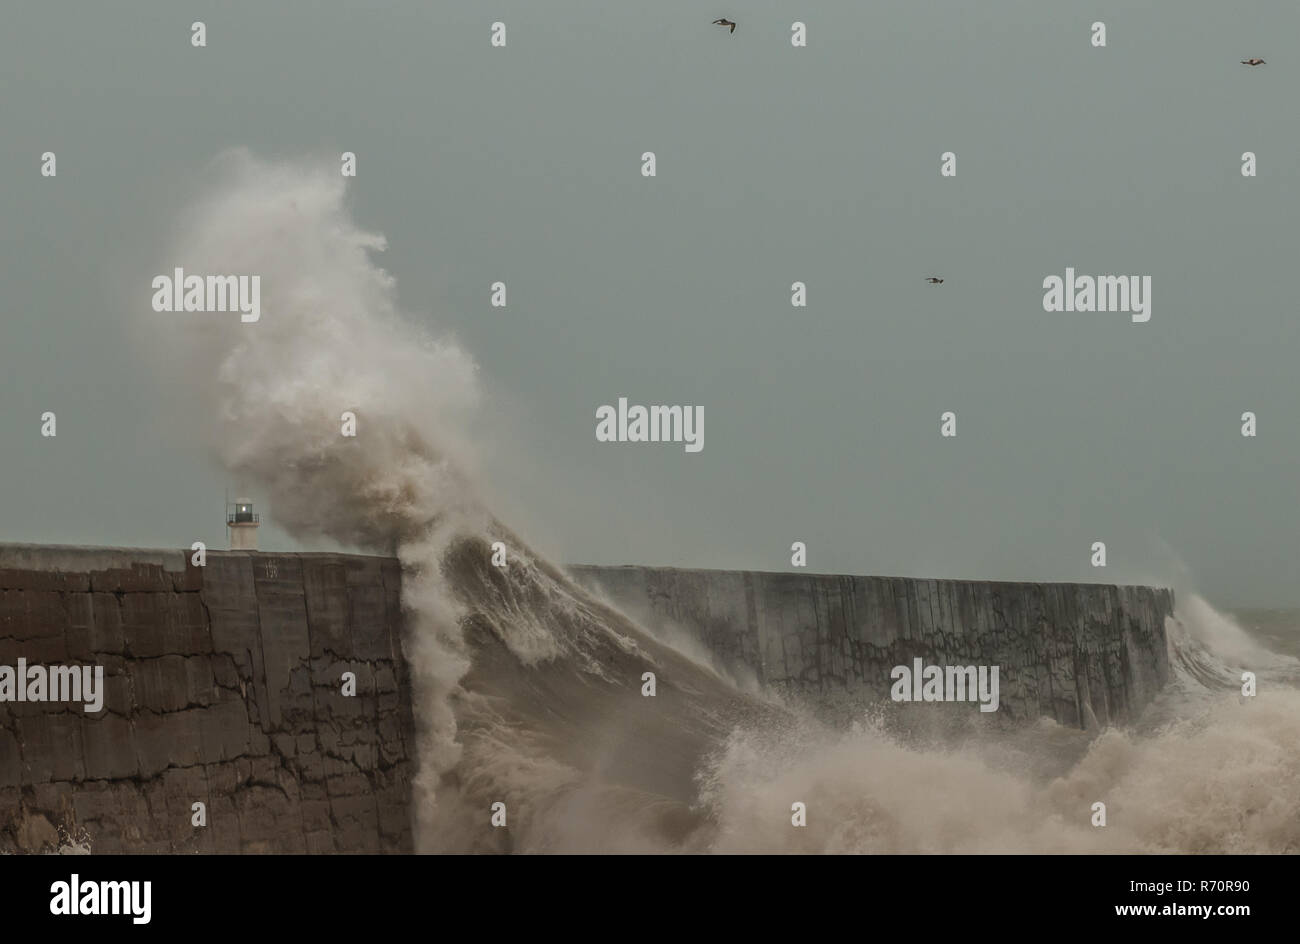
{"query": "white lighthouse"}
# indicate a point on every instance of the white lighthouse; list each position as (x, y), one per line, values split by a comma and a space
(241, 522)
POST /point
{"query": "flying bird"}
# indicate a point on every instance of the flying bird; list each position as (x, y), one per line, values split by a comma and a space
(1253, 62)
(933, 281)
(725, 22)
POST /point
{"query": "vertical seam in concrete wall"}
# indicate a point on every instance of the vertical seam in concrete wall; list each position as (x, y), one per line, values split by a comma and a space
(311, 684)
(755, 634)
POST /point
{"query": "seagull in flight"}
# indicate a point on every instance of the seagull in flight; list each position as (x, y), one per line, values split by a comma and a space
(1253, 62)
(725, 22)
(933, 281)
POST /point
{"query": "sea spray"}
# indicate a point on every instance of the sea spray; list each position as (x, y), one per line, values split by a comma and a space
(1207, 771)
(330, 339)
(525, 690)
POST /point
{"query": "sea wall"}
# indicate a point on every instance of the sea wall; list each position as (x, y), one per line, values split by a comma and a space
(1064, 650)
(223, 683)
(222, 687)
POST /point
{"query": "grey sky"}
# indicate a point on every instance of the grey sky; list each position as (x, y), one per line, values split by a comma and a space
(775, 164)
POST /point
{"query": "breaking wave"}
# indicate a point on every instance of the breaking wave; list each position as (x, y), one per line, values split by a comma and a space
(528, 689)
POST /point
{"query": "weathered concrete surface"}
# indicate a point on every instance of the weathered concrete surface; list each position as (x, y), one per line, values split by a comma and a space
(223, 682)
(1063, 649)
(222, 687)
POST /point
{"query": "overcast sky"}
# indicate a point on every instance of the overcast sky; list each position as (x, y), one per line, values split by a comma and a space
(775, 164)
